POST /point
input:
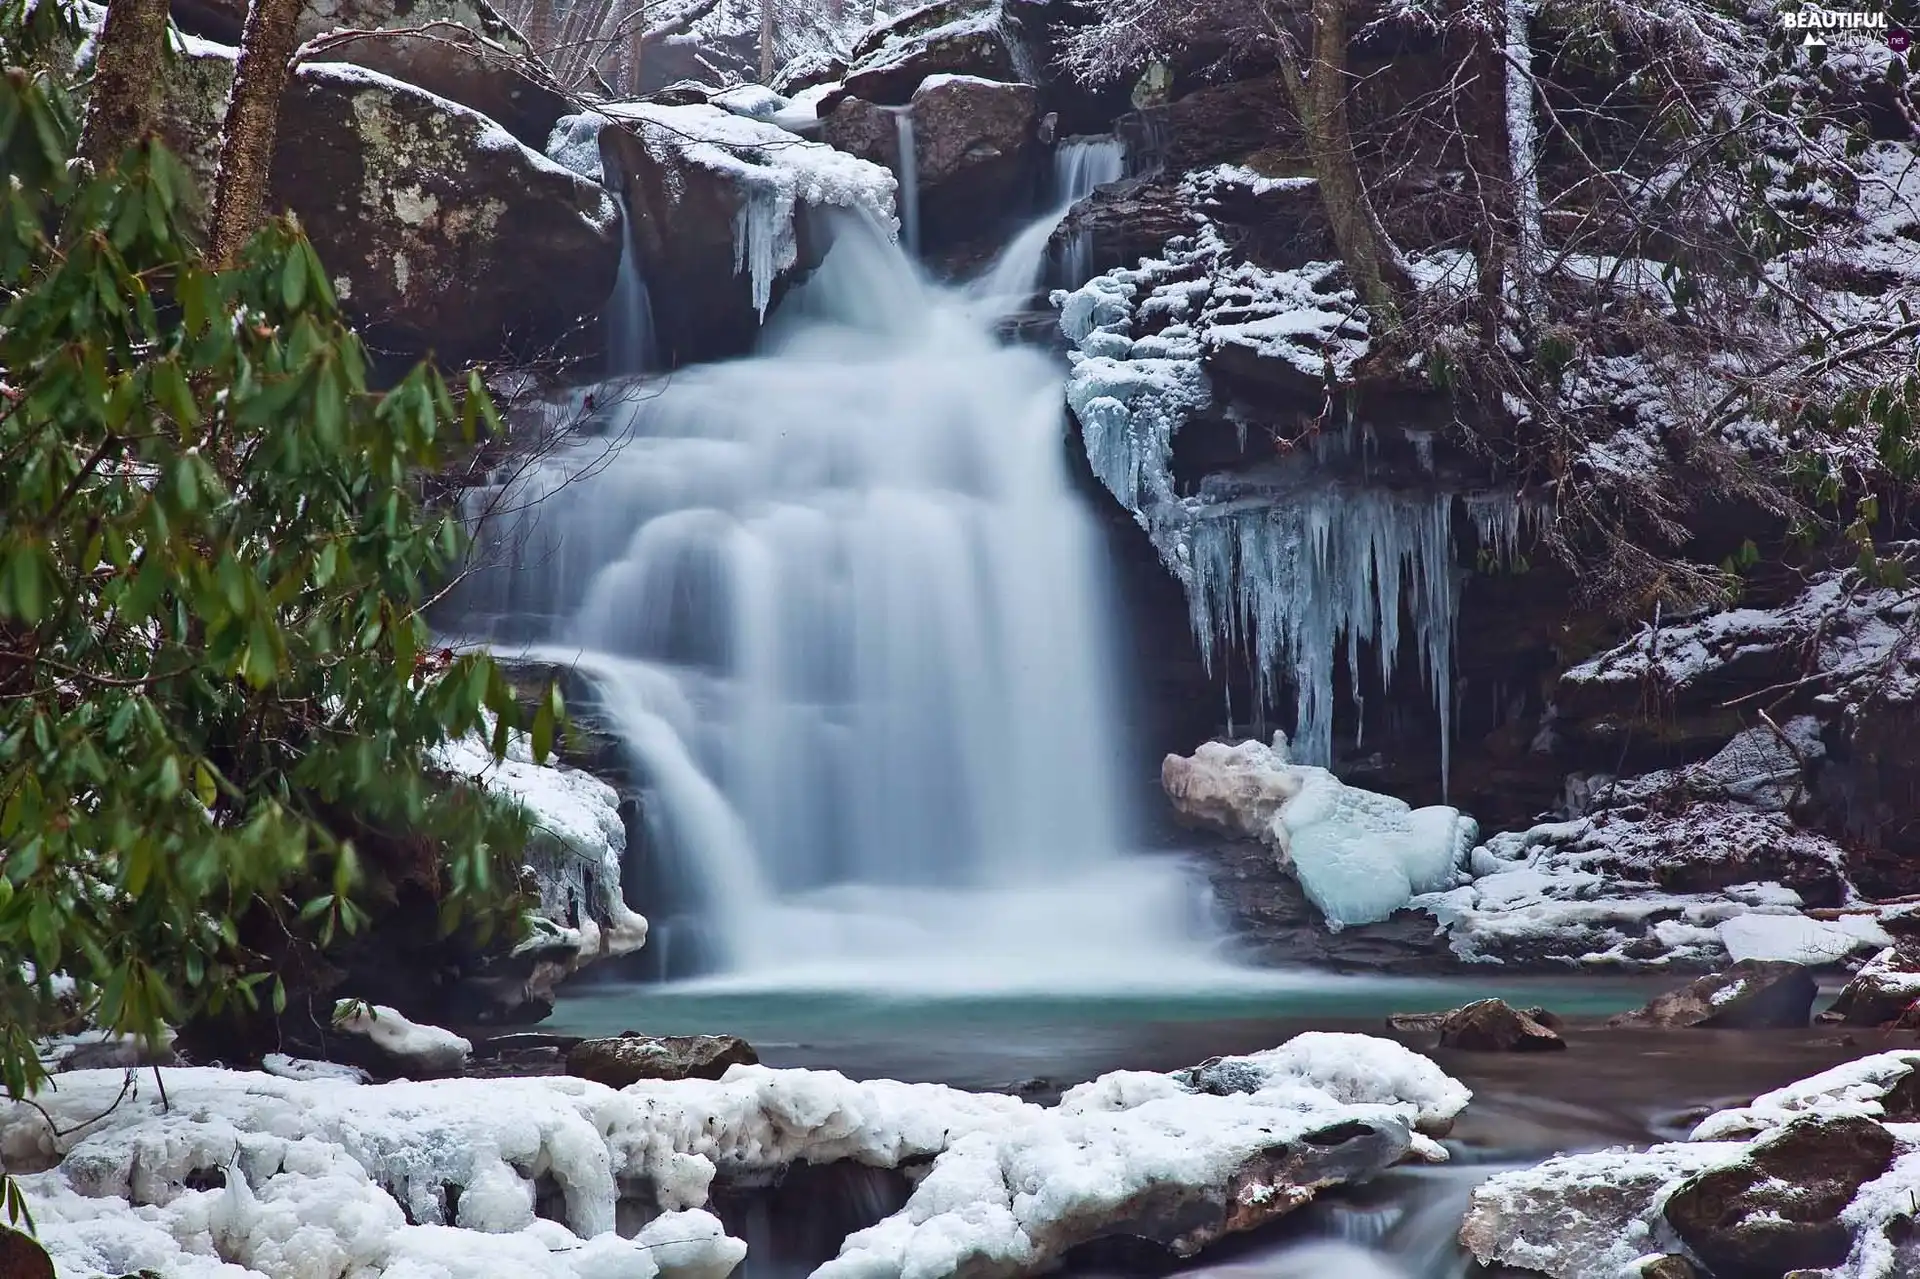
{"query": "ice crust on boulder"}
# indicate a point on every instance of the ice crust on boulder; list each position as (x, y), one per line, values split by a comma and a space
(1359, 856)
(319, 1178)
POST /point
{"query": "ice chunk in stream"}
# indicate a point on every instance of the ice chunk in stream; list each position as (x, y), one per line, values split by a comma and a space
(1358, 855)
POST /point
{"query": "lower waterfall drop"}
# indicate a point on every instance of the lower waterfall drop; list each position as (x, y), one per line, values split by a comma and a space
(846, 611)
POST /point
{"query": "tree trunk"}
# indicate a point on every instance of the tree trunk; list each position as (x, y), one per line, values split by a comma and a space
(1523, 153)
(766, 41)
(1489, 162)
(253, 115)
(1320, 99)
(124, 106)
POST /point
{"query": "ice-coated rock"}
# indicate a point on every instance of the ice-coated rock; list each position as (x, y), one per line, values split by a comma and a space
(402, 1047)
(318, 1178)
(1358, 855)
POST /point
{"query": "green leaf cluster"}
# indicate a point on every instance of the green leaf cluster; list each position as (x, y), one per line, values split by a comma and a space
(218, 704)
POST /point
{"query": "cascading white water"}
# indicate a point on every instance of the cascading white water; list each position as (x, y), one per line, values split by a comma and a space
(907, 170)
(846, 611)
(629, 311)
(1080, 166)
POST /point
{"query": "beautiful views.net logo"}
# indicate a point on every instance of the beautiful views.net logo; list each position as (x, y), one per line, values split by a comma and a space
(1821, 25)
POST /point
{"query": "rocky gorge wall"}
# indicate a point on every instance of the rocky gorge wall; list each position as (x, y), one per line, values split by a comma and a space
(1227, 392)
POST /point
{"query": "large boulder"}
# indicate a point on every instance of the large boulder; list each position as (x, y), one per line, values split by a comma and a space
(975, 148)
(949, 37)
(1487, 1025)
(718, 210)
(633, 1057)
(462, 50)
(1754, 994)
(223, 20)
(441, 232)
(1778, 1209)
(1886, 989)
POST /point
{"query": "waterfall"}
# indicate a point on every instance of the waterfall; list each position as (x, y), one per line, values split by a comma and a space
(629, 313)
(848, 614)
(1080, 166)
(907, 169)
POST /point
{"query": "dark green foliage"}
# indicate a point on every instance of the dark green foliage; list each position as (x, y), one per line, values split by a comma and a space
(217, 707)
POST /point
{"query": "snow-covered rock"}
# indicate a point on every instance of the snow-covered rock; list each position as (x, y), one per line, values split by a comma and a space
(1754, 1174)
(322, 1176)
(717, 206)
(578, 848)
(1885, 989)
(1664, 870)
(413, 1050)
(963, 37)
(1359, 856)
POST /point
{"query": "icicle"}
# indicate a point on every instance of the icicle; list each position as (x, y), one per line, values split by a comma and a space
(763, 237)
(1496, 523)
(1289, 583)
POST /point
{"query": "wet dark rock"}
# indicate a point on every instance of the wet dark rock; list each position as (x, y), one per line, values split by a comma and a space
(633, 1057)
(1671, 1266)
(1274, 923)
(1777, 1208)
(1754, 994)
(1486, 1025)
(1127, 221)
